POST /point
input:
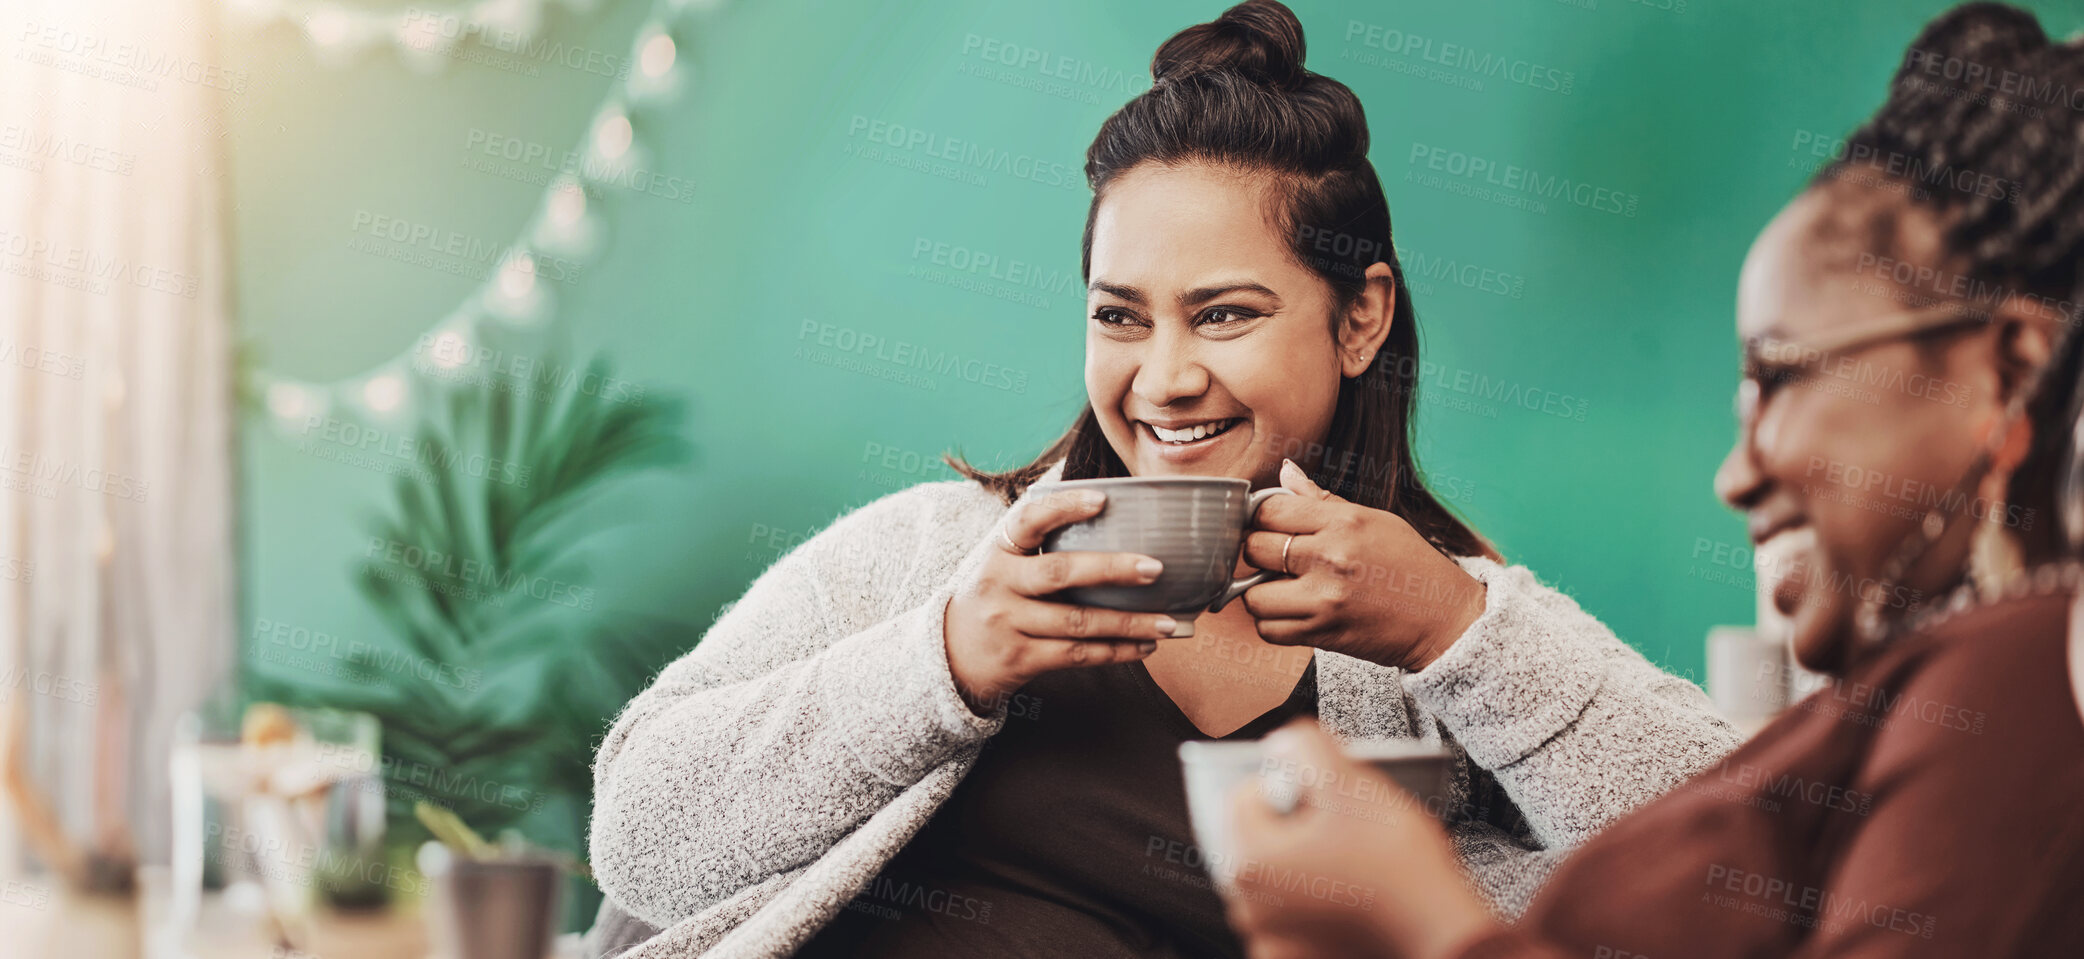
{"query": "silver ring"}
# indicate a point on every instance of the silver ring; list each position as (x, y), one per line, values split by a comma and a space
(1284, 554)
(1012, 546)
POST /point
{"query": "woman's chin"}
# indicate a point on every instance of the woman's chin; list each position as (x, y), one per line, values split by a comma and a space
(1820, 631)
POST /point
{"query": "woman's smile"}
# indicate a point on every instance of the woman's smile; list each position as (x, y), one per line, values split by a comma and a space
(1181, 442)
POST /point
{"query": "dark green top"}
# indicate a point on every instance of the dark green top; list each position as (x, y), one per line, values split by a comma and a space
(1069, 838)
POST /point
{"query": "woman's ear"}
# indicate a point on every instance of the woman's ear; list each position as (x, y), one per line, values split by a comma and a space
(2024, 343)
(1367, 321)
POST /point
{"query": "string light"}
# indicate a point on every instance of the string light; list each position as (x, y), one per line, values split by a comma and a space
(517, 277)
(657, 56)
(567, 203)
(339, 30)
(449, 350)
(384, 393)
(569, 223)
(292, 403)
(612, 135)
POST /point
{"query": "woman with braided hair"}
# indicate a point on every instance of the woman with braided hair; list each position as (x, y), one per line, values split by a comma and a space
(1931, 801)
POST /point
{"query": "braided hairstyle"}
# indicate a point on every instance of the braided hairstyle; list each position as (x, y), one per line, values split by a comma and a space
(1233, 92)
(1985, 126)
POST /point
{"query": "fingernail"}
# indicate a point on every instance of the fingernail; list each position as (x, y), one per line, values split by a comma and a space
(1288, 466)
(1147, 647)
(1149, 568)
(1166, 625)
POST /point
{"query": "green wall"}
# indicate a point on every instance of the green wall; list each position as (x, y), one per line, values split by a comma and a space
(1694, 112)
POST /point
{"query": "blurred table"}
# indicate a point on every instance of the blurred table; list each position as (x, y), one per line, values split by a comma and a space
(63, 925)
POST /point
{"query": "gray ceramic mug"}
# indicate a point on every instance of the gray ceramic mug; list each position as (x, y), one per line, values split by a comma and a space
(1195, 525)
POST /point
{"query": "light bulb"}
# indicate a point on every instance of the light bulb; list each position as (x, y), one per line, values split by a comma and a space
(657, 56)
(450, 349)
(517, 277)
(567, 203)
(383, 393)
(289, 401)
(612, 135)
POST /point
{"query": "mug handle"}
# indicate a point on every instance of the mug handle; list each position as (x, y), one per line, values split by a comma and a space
(1237, 587)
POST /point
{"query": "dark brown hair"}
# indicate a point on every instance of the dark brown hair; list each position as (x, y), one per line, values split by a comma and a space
(1234, 93)
(1984, 95)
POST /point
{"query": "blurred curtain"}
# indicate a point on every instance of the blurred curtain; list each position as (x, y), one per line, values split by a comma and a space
(116, 569)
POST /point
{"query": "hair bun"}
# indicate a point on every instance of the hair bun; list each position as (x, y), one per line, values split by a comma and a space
(1258, 39)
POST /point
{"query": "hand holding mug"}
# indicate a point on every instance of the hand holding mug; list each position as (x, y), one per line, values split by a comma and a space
(1356, 868)
(1001, 631)
(1362, 581)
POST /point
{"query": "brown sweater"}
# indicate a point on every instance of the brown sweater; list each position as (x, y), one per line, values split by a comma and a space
(1930, 803)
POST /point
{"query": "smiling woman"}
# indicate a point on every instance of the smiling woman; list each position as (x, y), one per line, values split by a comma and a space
(901, 742)
(1238, 190)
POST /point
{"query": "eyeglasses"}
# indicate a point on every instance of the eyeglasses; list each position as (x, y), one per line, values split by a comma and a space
(1771, 363)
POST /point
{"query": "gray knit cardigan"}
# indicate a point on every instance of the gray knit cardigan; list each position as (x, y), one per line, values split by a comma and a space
(767, 775)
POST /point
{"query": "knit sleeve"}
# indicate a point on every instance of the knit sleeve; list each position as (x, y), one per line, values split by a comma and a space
(812, 703)
(1577, 727)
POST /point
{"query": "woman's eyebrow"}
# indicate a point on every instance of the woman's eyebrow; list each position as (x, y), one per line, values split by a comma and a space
(1129, 293)
(1207, 293)
(1188, 298)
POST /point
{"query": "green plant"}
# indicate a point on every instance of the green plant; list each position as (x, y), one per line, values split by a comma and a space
(478, 570)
